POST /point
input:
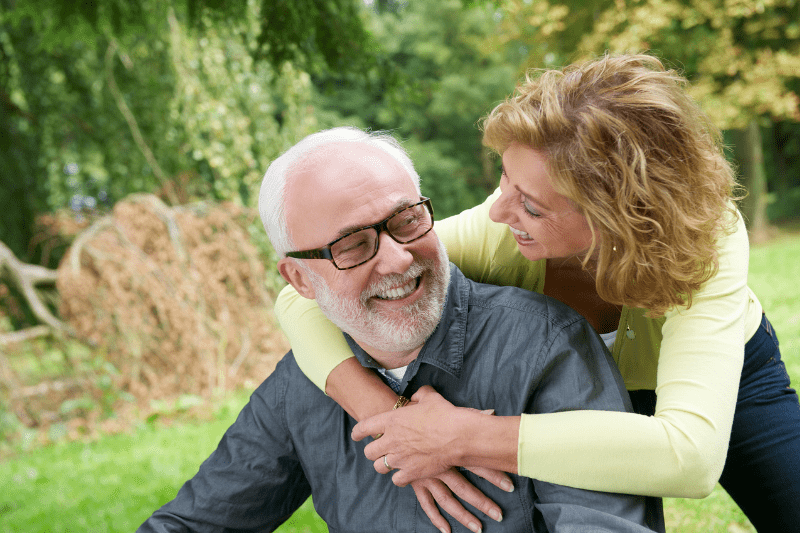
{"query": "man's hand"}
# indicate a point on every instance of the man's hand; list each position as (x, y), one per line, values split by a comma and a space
(442, 490)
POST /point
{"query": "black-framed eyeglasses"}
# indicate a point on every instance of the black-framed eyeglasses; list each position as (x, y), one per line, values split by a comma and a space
(359, 246)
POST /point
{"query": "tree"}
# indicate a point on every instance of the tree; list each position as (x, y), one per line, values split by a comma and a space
(435, 78)
(309, 33)
(105, 98)
(741, 57)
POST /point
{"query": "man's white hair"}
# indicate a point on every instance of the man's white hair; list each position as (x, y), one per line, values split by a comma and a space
(271, 199)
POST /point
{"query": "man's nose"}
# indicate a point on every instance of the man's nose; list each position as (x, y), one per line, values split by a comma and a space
(393, 257)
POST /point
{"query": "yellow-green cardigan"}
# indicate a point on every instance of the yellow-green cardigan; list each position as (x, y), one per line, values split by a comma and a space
(691, 357)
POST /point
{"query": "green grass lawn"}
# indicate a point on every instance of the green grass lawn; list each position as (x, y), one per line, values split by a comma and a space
(116, 483)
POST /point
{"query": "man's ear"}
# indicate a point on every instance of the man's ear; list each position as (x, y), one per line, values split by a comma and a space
(296, 277)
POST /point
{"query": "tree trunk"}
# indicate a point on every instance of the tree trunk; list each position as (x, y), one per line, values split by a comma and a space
(781, 178)
(750, 156)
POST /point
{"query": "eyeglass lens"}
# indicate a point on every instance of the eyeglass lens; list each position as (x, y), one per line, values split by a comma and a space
(404, 226)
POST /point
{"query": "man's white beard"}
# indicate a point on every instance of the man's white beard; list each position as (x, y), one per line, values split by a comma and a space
(404, 329)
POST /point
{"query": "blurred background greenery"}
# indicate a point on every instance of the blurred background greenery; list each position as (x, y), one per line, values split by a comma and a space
(189, 101)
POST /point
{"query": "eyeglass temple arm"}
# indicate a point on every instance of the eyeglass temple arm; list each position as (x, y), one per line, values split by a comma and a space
(322, 253)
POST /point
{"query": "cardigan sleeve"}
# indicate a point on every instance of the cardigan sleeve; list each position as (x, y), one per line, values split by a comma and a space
(683, 447)
(318, 345)
(474, 243)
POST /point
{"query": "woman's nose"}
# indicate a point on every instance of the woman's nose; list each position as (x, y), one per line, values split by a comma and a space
(500, 211)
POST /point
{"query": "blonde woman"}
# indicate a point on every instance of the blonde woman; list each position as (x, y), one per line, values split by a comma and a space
(616, 199)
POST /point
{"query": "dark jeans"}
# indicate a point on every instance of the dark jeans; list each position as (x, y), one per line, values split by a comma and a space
(762, 471)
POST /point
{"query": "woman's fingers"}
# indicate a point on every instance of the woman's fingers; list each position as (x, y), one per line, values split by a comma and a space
(428, 504)
(423, 392)
(495, 477)
(372, 426)
(461, 487)
(441, 493)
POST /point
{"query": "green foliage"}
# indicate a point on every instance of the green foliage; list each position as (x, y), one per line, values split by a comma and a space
(96, 114)
(305, 30)
(103, 99)
(717, 513)
(230, 114)
(436, 78)
(741, 57)
(313, 33)
(782, 162)
(785, 205)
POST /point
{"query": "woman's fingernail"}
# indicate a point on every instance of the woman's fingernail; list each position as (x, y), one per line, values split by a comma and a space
(475, 527)
(507, 486)
(497, 515)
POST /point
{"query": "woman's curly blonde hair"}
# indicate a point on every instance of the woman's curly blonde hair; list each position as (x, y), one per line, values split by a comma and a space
(640, 160)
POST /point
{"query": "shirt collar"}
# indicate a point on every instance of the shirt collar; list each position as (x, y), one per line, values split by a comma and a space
(445, 347)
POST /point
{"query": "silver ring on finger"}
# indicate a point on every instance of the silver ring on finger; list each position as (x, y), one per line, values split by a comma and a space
(386, 463)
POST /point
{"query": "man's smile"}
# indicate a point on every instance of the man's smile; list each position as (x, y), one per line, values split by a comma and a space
(399, 293)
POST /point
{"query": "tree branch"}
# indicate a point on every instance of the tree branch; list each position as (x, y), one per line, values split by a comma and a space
(26, 278)
(26, 334)
(133, 125)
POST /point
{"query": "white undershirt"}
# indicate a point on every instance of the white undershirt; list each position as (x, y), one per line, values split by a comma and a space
(609, 338)
(396, 373)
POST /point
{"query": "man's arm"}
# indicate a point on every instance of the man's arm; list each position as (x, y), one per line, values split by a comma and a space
(579, 374)
(252, 482)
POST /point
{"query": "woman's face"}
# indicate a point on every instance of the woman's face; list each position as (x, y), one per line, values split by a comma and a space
(545, 223)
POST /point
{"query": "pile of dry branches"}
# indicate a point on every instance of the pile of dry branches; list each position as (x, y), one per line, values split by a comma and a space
(175, 296)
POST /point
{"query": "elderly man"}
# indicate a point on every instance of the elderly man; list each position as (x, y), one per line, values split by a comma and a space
(345, 209)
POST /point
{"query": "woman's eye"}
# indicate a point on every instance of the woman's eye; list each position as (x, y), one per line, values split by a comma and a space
(529, 209)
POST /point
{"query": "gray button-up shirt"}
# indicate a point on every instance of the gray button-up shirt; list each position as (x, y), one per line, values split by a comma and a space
(498, 348)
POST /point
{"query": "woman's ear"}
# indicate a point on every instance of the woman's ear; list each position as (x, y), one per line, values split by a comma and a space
(297, 277)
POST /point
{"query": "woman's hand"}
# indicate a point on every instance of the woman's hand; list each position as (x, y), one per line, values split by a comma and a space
(441, 491)
(420, 440)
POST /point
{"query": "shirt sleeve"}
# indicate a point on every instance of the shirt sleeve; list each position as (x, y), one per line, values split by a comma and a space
(253, 481)
(578, 374)
(482, 249)
(683, 447)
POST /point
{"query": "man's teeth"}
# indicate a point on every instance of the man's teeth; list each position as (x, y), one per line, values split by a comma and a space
(402, 292)
(522, 234)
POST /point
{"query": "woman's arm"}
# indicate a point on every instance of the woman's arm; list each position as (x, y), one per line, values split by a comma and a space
(684, 446)
(679, 452)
